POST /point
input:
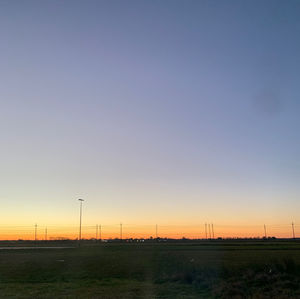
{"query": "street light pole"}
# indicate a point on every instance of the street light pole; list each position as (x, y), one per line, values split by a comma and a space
(81, 200)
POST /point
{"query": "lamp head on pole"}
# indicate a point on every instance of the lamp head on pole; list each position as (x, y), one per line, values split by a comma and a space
(81, 199)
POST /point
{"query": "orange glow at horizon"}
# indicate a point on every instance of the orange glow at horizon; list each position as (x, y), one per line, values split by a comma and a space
(146, 231)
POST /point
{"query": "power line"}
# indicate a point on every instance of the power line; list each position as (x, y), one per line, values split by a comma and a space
(288, 230)
(293, 230)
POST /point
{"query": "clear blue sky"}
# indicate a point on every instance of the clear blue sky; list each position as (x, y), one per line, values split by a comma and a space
(153, 111)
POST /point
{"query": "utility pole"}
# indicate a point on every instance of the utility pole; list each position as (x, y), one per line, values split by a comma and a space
(212, 228)
(100, 232)
(96, 232)
(265, 231)
(293, 230)
(46, 233)
(121, 232)
(156, 235)
(35, 232)
(206, 231)
(209, 231)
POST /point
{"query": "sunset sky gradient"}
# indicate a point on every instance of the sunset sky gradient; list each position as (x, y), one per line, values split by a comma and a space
(169, 112)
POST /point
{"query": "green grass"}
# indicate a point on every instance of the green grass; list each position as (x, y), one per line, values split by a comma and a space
(238, 269)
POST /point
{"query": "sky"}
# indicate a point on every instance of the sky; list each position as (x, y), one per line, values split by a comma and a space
(169, 112)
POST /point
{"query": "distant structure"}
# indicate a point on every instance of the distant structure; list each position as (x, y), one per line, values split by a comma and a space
(293, 230)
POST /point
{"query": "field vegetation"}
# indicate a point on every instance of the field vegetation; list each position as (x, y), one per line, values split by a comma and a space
(204, 269)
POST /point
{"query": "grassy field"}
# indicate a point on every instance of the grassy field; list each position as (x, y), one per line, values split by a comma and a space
(220, 269)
